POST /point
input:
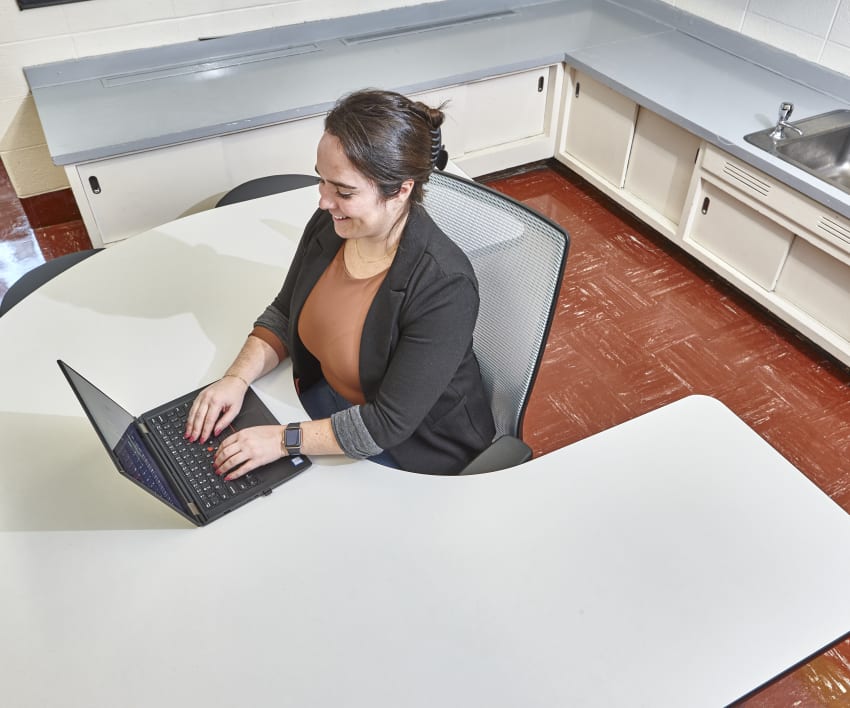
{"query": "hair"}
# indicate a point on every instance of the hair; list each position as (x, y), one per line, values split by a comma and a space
(389, 138)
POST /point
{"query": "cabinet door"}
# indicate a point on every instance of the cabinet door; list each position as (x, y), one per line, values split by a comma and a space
(506, 109)
(285, 148)
(599, 129)
(130, 194)
(819, 285)
(739, 236)
(660, 165)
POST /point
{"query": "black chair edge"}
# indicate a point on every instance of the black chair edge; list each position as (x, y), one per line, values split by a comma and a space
(264, 186)
(38, 276)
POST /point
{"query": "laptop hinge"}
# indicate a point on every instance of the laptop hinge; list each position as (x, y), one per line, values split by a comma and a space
(193, 508)
(143, 427)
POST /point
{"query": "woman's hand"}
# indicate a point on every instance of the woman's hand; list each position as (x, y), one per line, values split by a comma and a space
(248, 449)
(215, 408)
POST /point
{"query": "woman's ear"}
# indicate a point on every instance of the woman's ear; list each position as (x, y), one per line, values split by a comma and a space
(405, 190)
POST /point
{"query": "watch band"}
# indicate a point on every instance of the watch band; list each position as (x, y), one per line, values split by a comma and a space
(291, 439)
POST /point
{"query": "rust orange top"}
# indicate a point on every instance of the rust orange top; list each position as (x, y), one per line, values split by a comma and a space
(331, 324)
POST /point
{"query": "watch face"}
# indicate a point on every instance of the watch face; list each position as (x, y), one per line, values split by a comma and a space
(292, 437)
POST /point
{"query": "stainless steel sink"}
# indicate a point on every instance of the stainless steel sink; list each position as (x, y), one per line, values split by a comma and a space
(823, 149)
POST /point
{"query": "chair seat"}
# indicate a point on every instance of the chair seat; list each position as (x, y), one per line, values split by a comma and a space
(506, 451)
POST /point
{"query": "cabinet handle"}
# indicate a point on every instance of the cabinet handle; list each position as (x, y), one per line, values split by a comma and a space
(705, 204)
(540, 85)
(578, 88)
(94, 184)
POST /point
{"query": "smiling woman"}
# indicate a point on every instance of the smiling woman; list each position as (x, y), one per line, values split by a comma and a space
(376, 312)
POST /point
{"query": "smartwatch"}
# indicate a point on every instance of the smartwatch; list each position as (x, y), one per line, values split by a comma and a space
(292, 439)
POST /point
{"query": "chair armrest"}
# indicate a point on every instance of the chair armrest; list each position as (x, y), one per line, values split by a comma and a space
(506, 451)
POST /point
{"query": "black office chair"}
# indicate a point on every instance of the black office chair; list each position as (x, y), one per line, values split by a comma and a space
(519, 258)
(38, 276)
(264, 186)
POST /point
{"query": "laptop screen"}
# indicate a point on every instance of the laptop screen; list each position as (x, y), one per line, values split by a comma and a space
(109, 419)
(116, 429)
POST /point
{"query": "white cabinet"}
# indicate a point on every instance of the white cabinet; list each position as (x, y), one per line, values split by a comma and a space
(491, 124)
(598, 131)
(502, 121)
(789, 253)
(507, 109)
(641, 160)
(659, 172)
(733, 232)
(123, 196)
(819, 285)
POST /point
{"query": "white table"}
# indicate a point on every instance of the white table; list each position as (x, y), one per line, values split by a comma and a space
(674, 560)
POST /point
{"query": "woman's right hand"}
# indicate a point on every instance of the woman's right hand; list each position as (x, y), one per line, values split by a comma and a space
(215, 408)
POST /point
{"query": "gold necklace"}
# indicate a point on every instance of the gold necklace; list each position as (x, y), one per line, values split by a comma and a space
(388, 254)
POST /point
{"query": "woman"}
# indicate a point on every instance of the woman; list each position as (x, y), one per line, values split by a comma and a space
(376, 312)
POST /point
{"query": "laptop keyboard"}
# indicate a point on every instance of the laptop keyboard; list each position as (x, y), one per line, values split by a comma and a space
(195, 460)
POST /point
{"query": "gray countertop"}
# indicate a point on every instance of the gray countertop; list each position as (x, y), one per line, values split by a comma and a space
(713, 82)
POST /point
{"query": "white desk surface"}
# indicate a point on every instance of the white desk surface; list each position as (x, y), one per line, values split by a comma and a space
(676, 559)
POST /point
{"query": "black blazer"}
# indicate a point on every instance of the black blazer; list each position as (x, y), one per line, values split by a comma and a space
(425, 401)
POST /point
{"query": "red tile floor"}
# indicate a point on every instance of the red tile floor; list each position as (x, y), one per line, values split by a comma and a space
(36, 230)
(639, 324)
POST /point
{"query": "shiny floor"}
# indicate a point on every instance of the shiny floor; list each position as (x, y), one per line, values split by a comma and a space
(43, 228)
(639, 324)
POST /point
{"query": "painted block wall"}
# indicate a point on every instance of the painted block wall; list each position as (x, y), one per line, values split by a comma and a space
(817, 30)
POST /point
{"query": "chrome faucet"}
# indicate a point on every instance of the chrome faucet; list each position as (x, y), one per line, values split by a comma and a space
(785, 110)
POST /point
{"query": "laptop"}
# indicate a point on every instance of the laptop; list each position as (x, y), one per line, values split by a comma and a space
(151, 451)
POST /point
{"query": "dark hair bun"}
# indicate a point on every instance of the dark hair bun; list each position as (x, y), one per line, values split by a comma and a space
(389, 138)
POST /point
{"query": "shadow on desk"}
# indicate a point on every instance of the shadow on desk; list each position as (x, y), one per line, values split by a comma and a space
(69, 486)
(165, 278)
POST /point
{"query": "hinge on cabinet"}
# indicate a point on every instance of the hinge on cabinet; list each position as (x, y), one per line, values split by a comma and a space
(578, 87)
(540, 85)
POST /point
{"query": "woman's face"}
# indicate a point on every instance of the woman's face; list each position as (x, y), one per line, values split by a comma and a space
(353, 200)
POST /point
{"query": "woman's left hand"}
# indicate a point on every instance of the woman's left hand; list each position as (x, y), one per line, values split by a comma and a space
(248, 449)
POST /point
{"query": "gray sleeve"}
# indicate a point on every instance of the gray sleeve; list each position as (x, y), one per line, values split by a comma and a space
(275, 321)
(352, 435)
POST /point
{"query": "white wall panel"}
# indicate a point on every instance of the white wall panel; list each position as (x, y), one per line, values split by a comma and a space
(783, 36)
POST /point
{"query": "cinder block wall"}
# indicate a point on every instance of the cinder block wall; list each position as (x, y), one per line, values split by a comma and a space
(817, 30)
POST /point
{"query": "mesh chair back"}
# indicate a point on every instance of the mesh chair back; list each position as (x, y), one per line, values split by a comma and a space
(519, 258)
